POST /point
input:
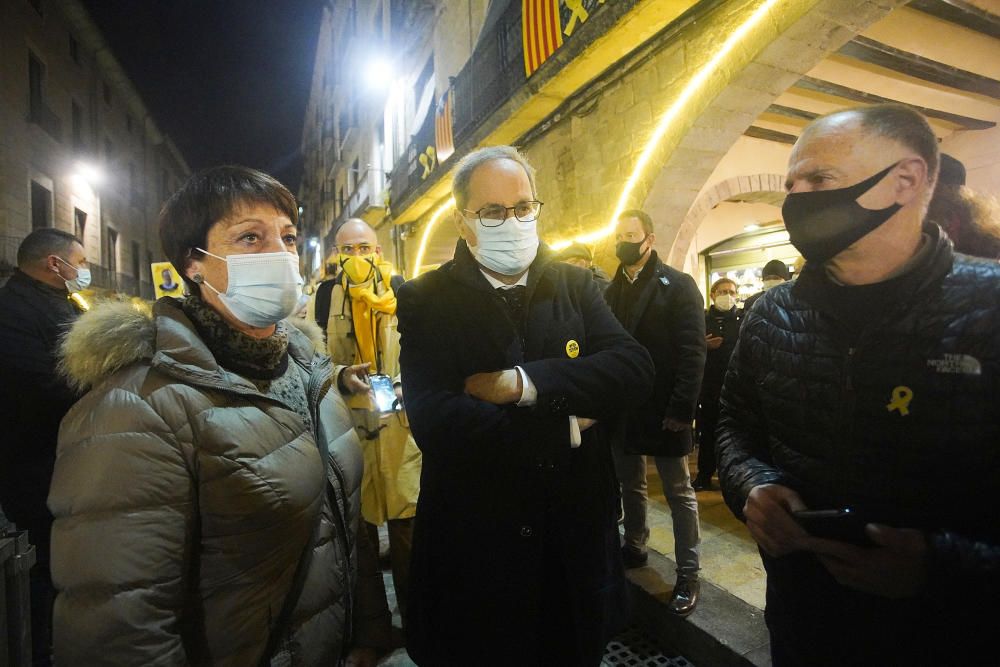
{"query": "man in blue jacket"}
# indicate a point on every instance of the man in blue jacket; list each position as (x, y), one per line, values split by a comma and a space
(870, 384)
(512, 368)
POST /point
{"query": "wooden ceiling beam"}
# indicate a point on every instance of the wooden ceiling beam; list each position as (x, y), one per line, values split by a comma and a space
(962, 14)
(836, 90)
(877, 53)
(790, 112)
(770, 135)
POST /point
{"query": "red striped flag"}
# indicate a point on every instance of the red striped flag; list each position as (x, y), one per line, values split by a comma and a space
(541, 32)
(443, 137)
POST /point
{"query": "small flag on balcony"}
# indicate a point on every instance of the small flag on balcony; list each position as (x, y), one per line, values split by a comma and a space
(541, 32)
(443, 137)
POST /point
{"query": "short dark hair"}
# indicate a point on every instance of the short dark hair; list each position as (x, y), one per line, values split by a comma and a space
(647, 222)
(904, 125)
(44, 242)
(209, 196)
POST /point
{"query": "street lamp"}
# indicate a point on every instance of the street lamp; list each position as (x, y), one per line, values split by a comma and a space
(89, 173)
(378, 74)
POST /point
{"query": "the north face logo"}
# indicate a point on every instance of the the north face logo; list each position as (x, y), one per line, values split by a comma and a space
(962, 364)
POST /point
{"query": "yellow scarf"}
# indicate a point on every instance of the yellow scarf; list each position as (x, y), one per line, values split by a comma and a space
(365, 307)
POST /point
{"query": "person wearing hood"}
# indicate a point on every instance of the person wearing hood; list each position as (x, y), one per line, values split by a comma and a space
(773, 274)
(513, 368)
(866, 391)
(36, 309)
(361, 329)
(207, 487)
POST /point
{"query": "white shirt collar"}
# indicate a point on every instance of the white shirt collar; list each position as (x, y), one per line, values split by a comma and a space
(496, 284)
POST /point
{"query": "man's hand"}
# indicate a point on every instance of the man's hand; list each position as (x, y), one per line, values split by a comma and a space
(354, 379)
(499, 387)
(714, 342)
(398, 388)
(768, 511)
(675, 425)
(584, 423)
(361, 657)
(895, 568)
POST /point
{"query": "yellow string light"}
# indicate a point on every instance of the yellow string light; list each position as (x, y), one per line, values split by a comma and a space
(689, 91)
(428, 230)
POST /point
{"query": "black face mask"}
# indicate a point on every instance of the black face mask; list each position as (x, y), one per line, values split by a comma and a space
(823, 224)
(628, 253)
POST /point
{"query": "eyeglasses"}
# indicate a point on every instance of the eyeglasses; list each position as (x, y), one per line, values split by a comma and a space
(494, 214)
(360, 249)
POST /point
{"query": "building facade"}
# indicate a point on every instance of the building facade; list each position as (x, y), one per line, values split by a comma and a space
(79, 150)
(685, 108)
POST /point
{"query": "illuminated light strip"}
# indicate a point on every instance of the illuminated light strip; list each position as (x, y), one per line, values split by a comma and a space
(428, 230)
(692, 87)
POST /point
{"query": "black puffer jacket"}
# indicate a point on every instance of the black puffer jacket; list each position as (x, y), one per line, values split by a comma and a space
(805, 407)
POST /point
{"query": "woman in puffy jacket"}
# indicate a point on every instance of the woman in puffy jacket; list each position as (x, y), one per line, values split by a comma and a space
(206, 490)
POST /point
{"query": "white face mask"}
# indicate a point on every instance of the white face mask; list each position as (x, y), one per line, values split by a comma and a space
(768, 284)
(82, 280)
(725, 302)
(264, 288)
(508, 248)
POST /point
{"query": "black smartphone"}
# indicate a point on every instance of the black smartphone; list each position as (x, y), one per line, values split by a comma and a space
(385, 393)
(842, 524)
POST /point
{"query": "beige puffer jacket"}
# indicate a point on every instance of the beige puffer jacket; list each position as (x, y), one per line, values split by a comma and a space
(184, 500)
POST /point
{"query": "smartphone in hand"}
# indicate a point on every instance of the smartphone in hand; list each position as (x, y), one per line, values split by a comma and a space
(385, 393)
(842, 524)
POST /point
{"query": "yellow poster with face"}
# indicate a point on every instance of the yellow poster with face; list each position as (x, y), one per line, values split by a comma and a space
(166, 280)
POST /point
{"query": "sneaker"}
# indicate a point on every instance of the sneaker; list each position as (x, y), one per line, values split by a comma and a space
(685, 596)
(633, 558)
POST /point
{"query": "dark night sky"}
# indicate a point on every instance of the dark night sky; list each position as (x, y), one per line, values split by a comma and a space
(227, 80)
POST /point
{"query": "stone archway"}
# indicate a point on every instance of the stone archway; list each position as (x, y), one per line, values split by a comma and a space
(760, 188)
(672, 197)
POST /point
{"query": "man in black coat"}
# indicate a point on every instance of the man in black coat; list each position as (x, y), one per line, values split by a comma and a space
(722, 327)
(35, 310)
(870, 383)
(663, 309)
(512, 368)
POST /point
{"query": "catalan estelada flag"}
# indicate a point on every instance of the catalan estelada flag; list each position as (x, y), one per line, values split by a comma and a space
(541, 32)
(444, 140)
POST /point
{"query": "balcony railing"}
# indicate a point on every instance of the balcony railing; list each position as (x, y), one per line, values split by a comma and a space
(490, 77)
(367, 201)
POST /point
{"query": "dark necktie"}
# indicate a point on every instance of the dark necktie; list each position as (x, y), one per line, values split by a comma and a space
(513, 297)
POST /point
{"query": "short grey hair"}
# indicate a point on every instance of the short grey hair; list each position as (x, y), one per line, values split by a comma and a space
(476, 159)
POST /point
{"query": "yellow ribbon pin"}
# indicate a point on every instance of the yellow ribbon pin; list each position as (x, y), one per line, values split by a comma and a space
(901, 397)
(572, 349)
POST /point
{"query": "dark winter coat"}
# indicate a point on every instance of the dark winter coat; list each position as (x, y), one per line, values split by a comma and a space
(811, 405)
(665, 313)
(185, 499)
(33, 399)
(503, 495)
(727, 325)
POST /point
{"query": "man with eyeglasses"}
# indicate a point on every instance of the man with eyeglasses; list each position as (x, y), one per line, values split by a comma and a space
(360, 324)
(663, 309)
(35, 311)
(513, 367)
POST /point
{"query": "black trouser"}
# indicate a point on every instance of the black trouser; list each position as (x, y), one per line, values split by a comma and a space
(708, 418)
(400, 546)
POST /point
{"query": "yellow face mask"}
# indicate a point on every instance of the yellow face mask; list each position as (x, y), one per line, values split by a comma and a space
(359, 268)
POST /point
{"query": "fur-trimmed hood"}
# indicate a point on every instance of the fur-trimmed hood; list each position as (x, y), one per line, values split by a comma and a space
(116, 334)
